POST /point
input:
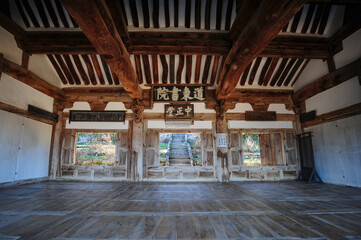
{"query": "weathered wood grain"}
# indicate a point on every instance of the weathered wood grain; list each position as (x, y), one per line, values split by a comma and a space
(126, 210)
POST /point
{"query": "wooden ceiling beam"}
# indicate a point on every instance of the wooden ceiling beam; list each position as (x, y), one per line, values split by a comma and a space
(173, 43)
(96, 21)
(99, 95)
(328, 81)
(268, 21)
(25, 76)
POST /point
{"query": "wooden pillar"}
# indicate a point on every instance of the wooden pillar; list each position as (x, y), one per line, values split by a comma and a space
(55, 170)
(222, 164)
(137, 142)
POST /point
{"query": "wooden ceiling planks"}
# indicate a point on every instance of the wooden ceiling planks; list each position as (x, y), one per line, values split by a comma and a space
(146, 66)
(89, 66)
(81, 70)
(254, 70)
(97, 69)
(52, 13)
(165, 69)
(198, 14)
(279, 71)
(206, 67)
(57, 69)
(286, 71)
(198, 69)
(188, 68)
(264, 71)
(65, 69)
(309, 15)
(214, 70)
(155, 69)
(138, 69)
(293, 71)
(270, 71)
(300, 72)
(180, 69)
(258, 33)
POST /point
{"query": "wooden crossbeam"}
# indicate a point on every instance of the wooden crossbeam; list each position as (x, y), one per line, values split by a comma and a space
(24, 113)
(328, 81)
(173, 43)
(24, 75)
(349, 111)
(268, 21)
(96, 21)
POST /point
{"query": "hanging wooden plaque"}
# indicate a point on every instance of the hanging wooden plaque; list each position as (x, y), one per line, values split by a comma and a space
(97, 116)
(260, 116)
(178, 93)
(179, 112)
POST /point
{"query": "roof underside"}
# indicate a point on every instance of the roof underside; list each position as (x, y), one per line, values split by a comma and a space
(318, 20)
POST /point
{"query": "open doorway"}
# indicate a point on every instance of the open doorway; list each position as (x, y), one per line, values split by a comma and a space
(180, 149)
(95, 149)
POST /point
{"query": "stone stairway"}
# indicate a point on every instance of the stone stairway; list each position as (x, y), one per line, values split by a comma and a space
(178, 152)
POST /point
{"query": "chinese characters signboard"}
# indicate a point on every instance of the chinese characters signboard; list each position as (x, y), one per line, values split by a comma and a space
(178, 93)
(179, 112)
(97, 116)
(222, 140)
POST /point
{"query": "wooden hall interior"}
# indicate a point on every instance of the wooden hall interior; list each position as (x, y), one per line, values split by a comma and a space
(190, 119)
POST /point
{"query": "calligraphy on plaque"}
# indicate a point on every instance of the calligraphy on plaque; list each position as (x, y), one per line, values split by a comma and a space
(179, 93)
(96, 116)
(178, 112)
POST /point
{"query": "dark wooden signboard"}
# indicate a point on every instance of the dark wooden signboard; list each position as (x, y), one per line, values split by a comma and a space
(260, 116)
(179, 112)
(38, 112)
(178, 93)
(308, 116)
(97, 116)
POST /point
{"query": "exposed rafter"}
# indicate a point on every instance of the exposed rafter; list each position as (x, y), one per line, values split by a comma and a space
(174, 43)
(269, 19)
(328, 81)
(23, 75)
(96, 21)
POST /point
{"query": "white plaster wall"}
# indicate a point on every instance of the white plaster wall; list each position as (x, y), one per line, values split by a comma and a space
(337, 151)
(79, 106)
(97, 125)
(341, 96)
(160, 124)
(241, 107)
(40, 65)
(279, 108)
(315, 69)
(8, 47)
(116, 106)
(18, 94)
(24, 147)
(235, 124)
(351, 50)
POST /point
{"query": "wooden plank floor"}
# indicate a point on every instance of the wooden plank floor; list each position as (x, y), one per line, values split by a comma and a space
(79, 210)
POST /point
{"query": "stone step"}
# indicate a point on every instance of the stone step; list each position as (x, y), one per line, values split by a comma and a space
(179, 161)
(179, 157)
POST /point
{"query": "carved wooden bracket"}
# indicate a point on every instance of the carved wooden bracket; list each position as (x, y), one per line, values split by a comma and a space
(260, 106)
(138, 108)
(97, 106)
